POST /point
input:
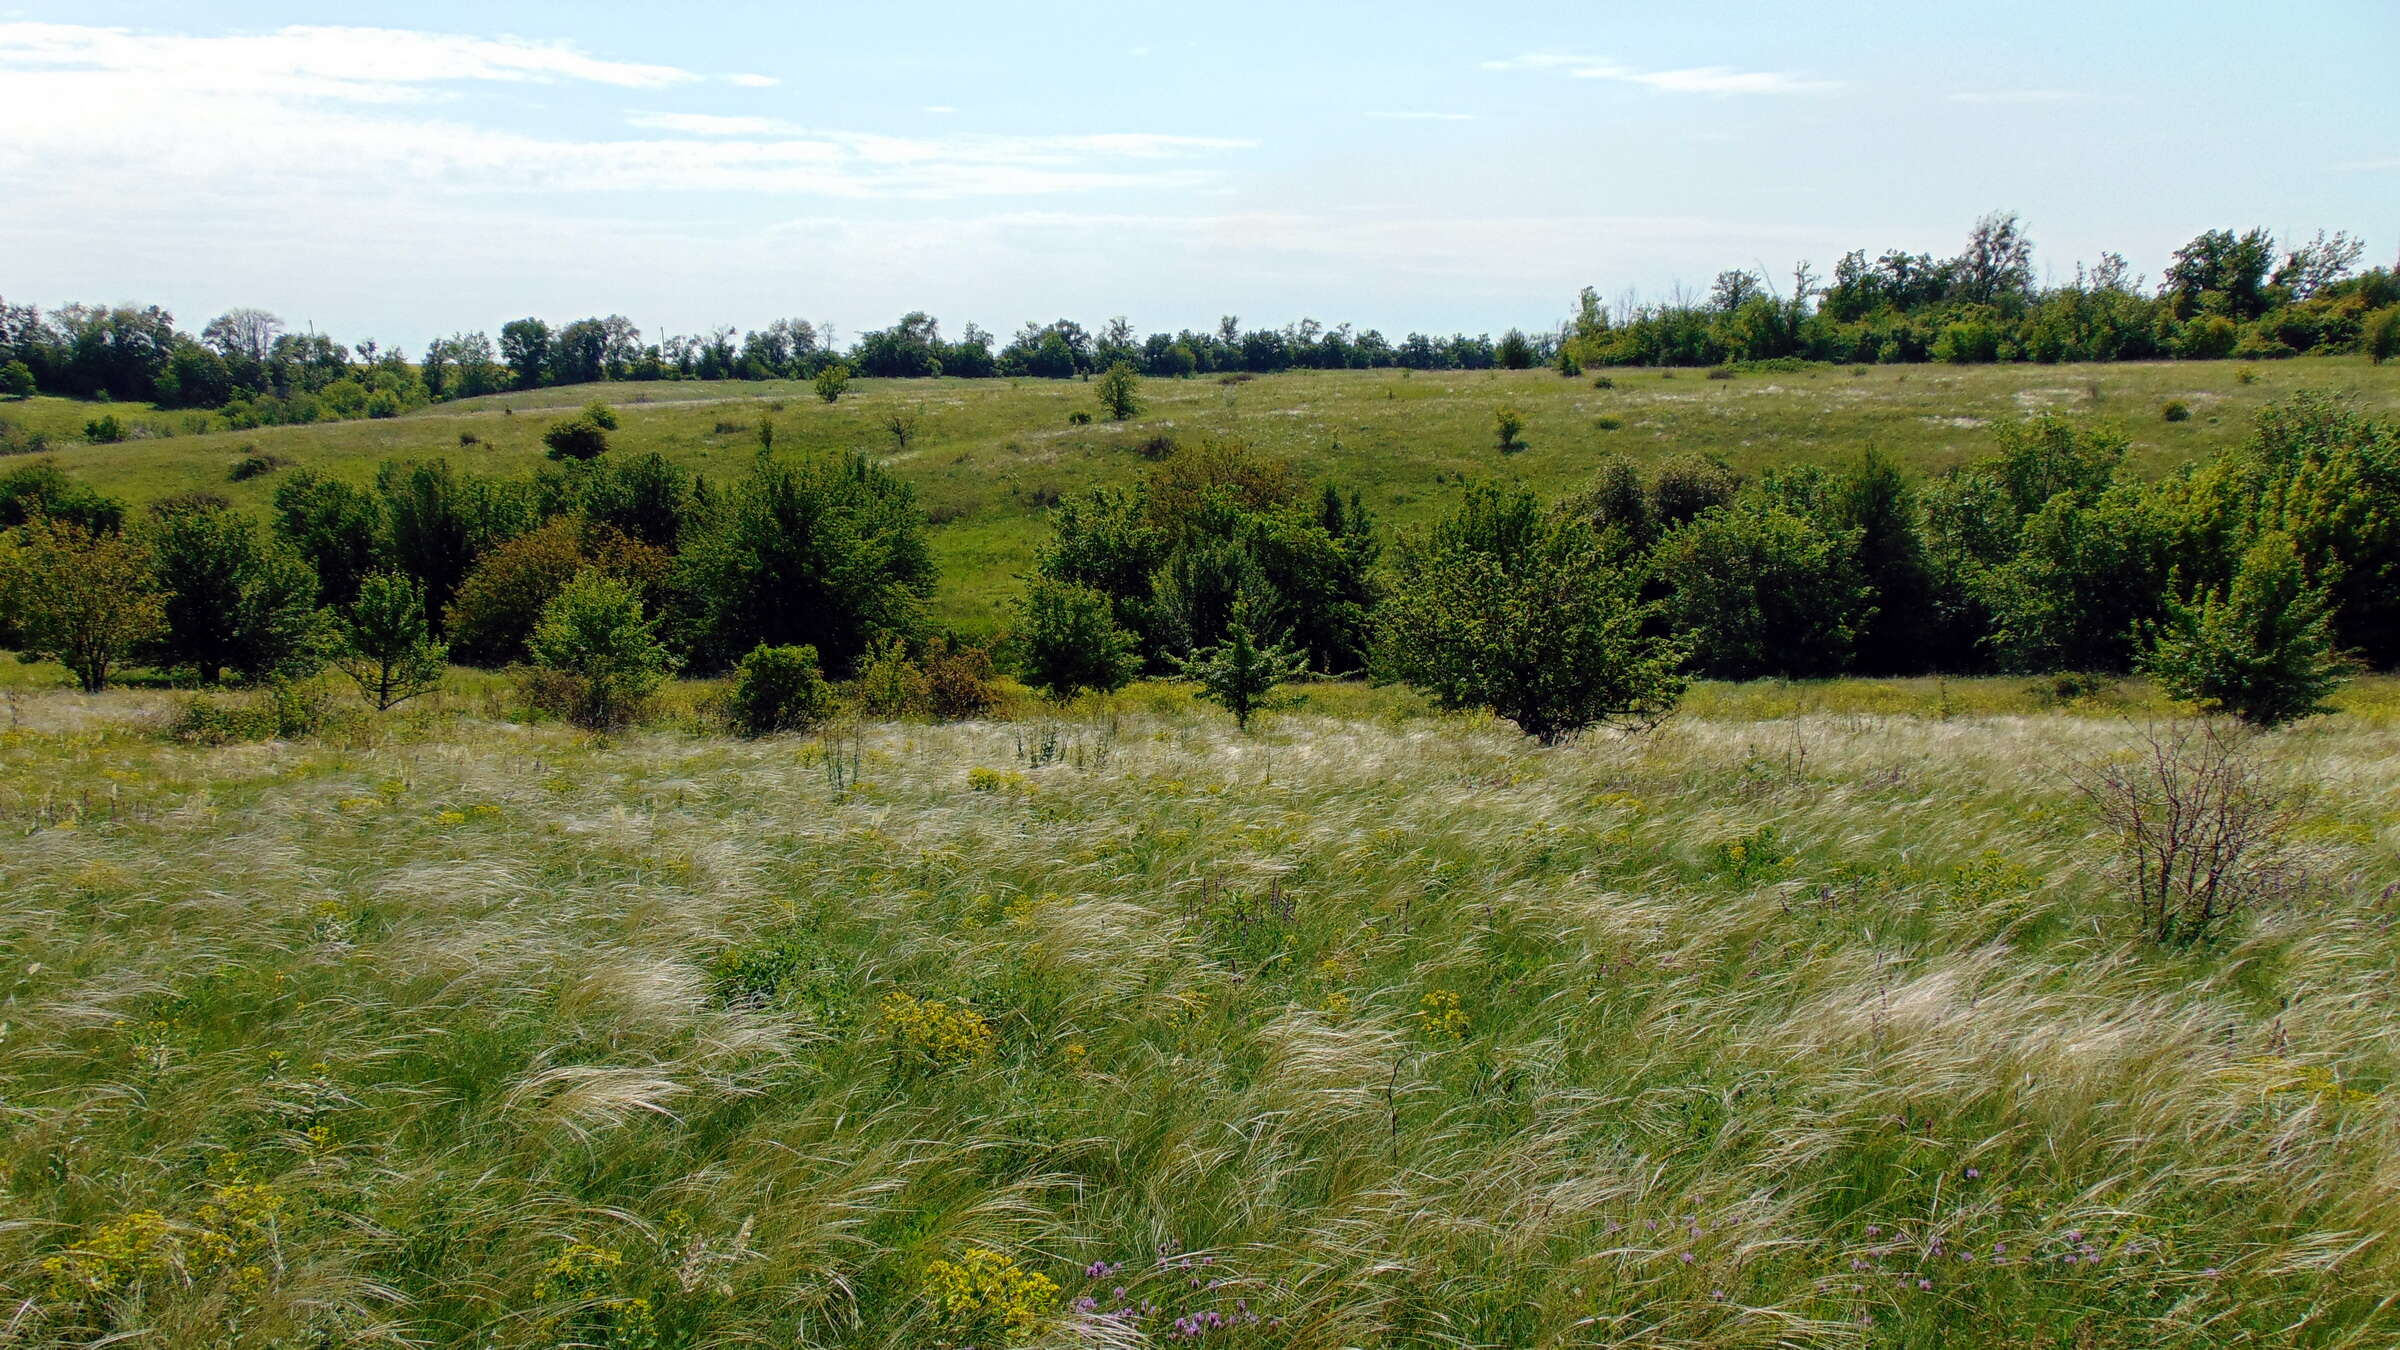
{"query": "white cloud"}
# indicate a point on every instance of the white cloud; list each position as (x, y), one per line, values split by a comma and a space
(753, 81)
(1422, 116)
(706, 124)
(1691, 80)
(940, 109)
(376, 65)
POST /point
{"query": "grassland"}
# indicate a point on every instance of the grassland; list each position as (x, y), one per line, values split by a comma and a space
(1813, 1018)
(988, 455)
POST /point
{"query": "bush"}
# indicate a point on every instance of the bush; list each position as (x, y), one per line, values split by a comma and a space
(2380, 338)
(386, 647)
(891, 685)
(2262, 651)
(2245, 375)
(599, 659)
(2175, 411)
(2200, 829)
(947, 682)
(1760, 590)
(1603, 382)
(777, 689)
(254, 466)
(1689, 485)
(1119, 392)
(104, 430)
(1509, 426)
(577, 438)
(1608, 423)
(16, 380)
(1079, 418)
(1720, 372)
(85, 597)
(1071, 641)
(832, 382)
(284, 711)
(2208, 338)
(1240, 675)
(1506, 606)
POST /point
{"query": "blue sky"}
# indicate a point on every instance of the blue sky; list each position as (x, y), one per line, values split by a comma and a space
(398, 172)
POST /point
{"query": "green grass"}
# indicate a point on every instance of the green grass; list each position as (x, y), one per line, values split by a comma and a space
(991, 451)
(449, 1029)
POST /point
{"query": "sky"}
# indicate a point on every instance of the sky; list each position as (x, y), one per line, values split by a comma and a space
(402, 172)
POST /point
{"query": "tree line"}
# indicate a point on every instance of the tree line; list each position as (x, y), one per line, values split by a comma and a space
(2226, 294)
(2250, 582)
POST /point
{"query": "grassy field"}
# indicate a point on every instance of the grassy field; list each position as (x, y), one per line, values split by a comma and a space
(1813, 1018)
(988, 455)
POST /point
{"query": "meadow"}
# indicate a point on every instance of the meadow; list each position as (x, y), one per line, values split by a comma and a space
(987, 457)
(1815, 1017)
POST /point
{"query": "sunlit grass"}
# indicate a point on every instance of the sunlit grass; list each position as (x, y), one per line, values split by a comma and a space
(1811, 1018)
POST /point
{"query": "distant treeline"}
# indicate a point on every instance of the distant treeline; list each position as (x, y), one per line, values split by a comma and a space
(2225, 295)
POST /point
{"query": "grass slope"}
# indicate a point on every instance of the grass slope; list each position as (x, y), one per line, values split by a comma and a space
(1811, 1019)
(990, 454)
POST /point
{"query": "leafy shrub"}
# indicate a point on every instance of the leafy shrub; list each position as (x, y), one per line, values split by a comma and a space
(1507, 606)
(1071, 642)
(1079, 418)
(2380, 337)
(468, 440)
(1239, 674)
(832, 382)
(1720, 372)
(2175, 410)
(2245, 375)
(1156, 448)
(2262, 651)
(1603, 382)
(87, 598)
(599, 659)
(284, 711)
(579, 437)
(16, 380)
(1761, 590)
(2208, 338)
(1508, 425)
(1608, 423)
(1119, 392)
(1689, 485)
(104, 430)
(987, 1299)
(777, 689)
(2200, 828)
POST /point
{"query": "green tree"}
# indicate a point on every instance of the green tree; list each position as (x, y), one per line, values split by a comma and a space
(829, 554)
(581, 437)
(777, 689)
(87, 598)
(1761, 590)
(1119, 390)
(234, 601)
(2261, 650)
(605, 655)
(2380, 338)
(1071, 642)
(1240, 675)
(386, 647)
(1508, 426)
(1529, 613)
(832, 382)
(16, 380)
(1879, 505)
(336, 528)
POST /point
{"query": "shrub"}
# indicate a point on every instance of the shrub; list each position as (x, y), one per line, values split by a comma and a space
(2245, 375)
(602, 655)
(87, 598)
(832, 382)
(254, 466)
(902, 428)
(16, 380)
(891, 685)
(579, 438)
(1689, 485)
(2200, 829)
(2175, 410)
(284, 711)
(1720, 372)
(1603, 382)
(987, 1299)
(2380, 338)
(1509, 607)
(1119, 392)
(386, 647)
(1238, 674)
(468, 439)
(1760, 590)
(2208, 338)
(1566, 364)
(1156, 448)
(2262, 651)
(1609, 423)
(1508, 425)
(1071, 641)
(104, 430)
(778, 689)
(600, 415)
(958, 680)
(1079, 418)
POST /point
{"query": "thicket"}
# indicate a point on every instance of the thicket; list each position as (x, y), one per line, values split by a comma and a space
(2249, 584)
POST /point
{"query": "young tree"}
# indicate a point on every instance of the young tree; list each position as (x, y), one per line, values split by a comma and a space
(832, 382)
(1761, 590)
(88, 598)
(1506, 606)
(2262, 651)
(386, 646)
(594, 639)
(16, 380)
(777, 689)
(1119, 392)
(1508, 425)
(1240, 675)
(1071, 642)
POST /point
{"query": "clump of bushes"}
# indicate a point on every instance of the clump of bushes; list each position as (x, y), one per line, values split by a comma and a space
(2176, 411)
(1604, 382)
(255, 465)
(583, 436)
(1079, 418)
(105, 429)
(284, 711)
(1720, 372)
(1608, 423)
(949, 682)
(597, 659)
